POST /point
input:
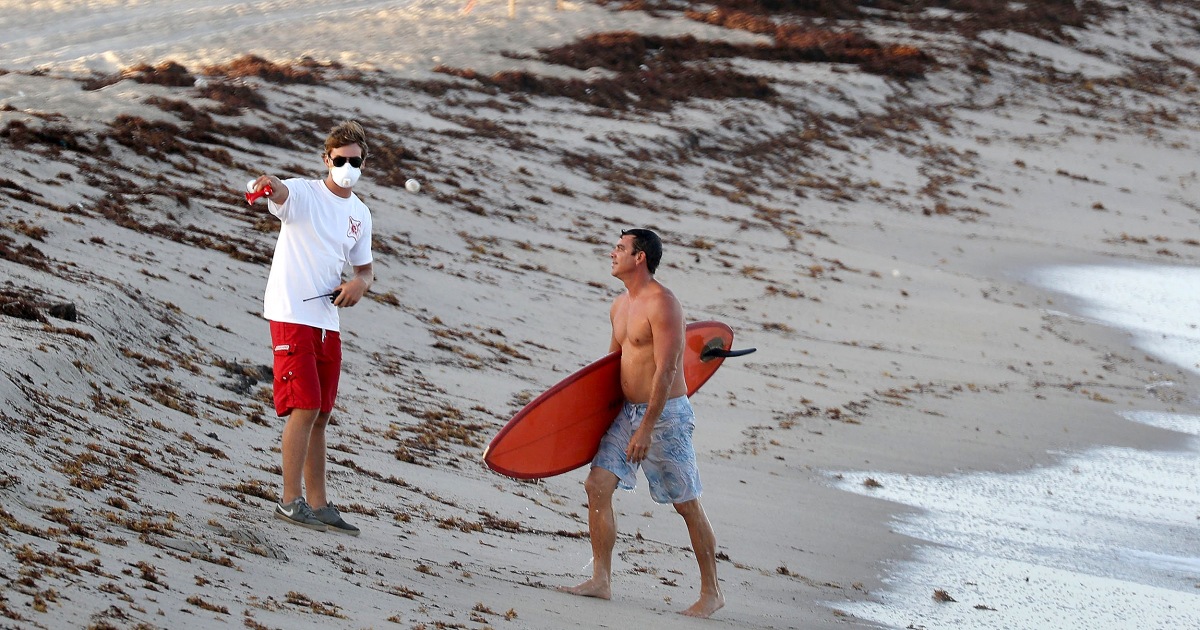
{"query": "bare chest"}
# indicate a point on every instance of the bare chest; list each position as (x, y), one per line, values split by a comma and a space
(631, 329)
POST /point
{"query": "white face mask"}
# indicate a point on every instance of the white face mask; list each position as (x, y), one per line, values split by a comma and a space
(345, 175)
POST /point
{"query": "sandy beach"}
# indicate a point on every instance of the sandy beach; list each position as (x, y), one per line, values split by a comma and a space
(862, 196)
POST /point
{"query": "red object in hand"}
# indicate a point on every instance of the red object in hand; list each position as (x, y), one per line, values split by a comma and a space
(254, 195)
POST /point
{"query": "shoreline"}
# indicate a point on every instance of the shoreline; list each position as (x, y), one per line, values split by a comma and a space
(928, 557)
(1027, 449)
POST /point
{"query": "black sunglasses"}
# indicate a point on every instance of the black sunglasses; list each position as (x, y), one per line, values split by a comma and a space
(340, 160)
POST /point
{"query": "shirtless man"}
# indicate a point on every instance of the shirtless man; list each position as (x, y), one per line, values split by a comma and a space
(654, 429)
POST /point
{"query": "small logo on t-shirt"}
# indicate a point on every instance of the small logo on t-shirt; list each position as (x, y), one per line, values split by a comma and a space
(355, 229)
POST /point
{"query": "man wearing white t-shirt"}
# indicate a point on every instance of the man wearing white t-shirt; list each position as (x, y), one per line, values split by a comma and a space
(324, 227)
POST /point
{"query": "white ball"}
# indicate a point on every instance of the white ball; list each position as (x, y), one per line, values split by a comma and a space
(250, 185)
(413, 186)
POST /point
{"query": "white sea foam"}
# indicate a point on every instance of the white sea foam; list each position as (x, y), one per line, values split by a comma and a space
(1108, 538)
(1158, 304)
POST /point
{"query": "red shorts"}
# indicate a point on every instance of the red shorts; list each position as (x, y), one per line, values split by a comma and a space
(308, 362)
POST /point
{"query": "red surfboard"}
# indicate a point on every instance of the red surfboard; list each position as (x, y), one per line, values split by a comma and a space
(560, 430)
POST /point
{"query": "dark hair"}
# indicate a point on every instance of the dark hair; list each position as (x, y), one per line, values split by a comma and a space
(345, 134)
(646, 241)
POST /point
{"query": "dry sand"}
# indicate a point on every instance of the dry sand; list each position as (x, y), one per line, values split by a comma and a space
(868, 234)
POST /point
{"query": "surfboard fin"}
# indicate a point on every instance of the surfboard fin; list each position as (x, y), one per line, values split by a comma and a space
(721, 353)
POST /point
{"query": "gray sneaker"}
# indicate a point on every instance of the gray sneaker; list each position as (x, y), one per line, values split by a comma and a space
(330, 516)
(299, 512)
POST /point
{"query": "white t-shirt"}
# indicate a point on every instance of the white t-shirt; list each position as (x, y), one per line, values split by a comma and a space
(320, 234)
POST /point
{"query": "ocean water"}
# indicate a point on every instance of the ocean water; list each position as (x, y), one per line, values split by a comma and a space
(1108, 538)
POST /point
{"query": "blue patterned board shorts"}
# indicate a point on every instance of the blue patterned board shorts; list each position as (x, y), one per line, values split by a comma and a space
(670, 464)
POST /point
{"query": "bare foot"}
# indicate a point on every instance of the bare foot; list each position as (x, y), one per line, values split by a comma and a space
(591, 588)
(705, 606)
